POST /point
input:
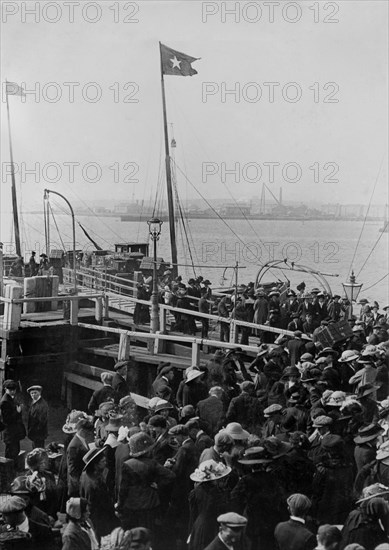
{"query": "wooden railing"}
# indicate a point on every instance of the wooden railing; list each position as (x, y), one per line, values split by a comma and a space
(101, 307)
(158, 337)
(164, 309)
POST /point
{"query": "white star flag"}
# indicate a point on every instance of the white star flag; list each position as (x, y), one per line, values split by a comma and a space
(176, 63)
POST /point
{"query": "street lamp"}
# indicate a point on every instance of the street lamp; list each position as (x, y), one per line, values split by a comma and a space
(155, 225)
(352, 290)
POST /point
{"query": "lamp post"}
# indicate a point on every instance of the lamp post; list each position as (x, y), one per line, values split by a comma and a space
(155, 225)
(352, 290)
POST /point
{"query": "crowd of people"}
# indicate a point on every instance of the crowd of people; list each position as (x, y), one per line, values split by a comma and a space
(283, 308)
(286, 450)
(19, 269)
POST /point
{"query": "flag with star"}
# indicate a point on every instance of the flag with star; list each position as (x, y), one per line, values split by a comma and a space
(176, 63)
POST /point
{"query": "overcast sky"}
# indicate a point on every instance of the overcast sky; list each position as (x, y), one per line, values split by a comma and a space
(332, 140)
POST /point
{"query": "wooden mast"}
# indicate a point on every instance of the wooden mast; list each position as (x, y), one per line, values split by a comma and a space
(173, 243)
(14, 200)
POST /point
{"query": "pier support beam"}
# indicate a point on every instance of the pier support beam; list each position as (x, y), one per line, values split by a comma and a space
(124, 348)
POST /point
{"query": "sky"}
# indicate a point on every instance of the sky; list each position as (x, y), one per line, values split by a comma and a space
(322, 136)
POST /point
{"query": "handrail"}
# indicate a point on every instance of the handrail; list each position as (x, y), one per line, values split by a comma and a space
(168, 337)
(217, 318)
(56, 298)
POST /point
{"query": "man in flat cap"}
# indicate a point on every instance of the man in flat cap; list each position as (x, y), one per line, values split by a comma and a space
(18, 526)
(231, 533)
(77, 448)
(293, 534)
(119, 381)
(11, 413)
(37, 417)
(162, 384)
(103, 394)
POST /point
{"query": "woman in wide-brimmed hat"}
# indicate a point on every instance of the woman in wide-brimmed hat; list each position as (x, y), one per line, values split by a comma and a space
(332, 482)
(257, 490)
(368, 524)
(94, 489)
(37, 462)
(365, 449)
(207, 501)
(366, 395)
(69, 428)
(138, 500)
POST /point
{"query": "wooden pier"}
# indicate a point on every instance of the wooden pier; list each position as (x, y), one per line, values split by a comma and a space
(69, 347)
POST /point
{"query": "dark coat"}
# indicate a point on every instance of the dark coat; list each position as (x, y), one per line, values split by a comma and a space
(122, 453)
(247, 410)
(254, 493)
(364, 454)
(137, 489)
(193, 392)
(332, 491)
(74, 538)
(296, 348)
(120, 386)
(211, 412)
(106, 393)
(206, 503)
(162, 449)
(217, 544)
(14, 428)
(202, 441)
(97, 493)
(74, 453)
(293, 535)
(37, 420)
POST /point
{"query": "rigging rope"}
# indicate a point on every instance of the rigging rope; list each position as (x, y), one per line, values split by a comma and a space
(56, 226)
(223, 183)
(372, 250)
(364, 221)
(376, 283)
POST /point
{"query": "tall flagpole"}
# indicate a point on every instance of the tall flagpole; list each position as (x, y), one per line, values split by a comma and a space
(14, 200)
(173, 244)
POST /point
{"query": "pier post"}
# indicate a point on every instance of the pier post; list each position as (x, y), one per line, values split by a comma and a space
(106, 307)
(99, 310)
(195, 354)
(233, 332)
(162, 320)
(73, 312)
(124, 347)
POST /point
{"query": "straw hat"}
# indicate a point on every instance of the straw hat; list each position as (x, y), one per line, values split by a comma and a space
(210, 470)
(375, 490)
(71, 421)
(337, 399)
(383, 451)
(255, 455)
(162, 405)
(275, 447)
(368, 433)
(384, 408)
(366, 389)
(92, 455)
(235, 430)
(348, 355)
(192, 375)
